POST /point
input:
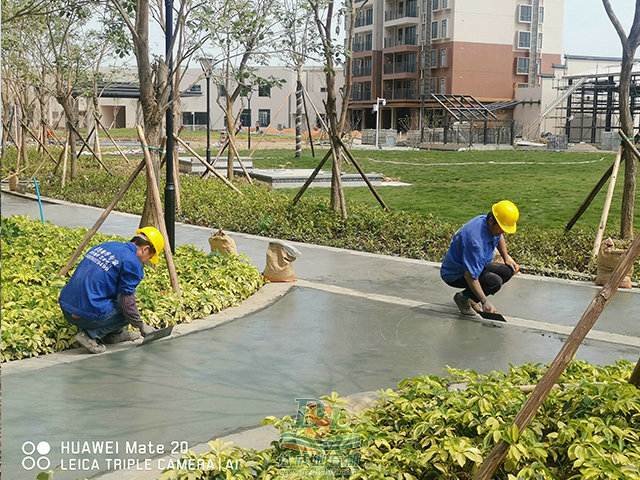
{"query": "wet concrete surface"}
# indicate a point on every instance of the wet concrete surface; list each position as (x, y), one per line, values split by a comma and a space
(309, 343)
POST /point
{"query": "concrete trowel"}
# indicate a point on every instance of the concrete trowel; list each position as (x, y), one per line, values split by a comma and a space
(492, 316)
(157, 335)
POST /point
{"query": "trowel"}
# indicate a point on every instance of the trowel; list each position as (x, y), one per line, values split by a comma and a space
(157, 335)
(492, 316)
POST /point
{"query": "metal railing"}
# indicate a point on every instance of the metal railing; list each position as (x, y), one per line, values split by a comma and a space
(410, 12)
(400, 67)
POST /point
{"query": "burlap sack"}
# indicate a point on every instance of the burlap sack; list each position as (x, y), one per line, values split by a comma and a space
(280, 256)
(610, 254)
(222, 243)
(13, 182)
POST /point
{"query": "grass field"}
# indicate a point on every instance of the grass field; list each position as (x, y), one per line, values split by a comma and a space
(548, 187)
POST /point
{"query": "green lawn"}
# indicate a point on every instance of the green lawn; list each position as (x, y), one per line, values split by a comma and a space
(547, 187)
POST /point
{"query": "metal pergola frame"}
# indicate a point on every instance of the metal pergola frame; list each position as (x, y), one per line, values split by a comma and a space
(465, 106)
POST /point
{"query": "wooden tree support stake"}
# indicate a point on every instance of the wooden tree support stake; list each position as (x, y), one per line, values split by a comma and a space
(111, 138)
(232, 145)
(363, 175)
(607, 203)
(173, 276)
(39, 141)
(559, 364)
(271, 123)
(90, 149)
(100, 220)
(311, 178)
(209, 167)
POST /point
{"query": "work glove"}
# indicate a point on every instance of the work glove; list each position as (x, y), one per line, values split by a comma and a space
(146, 329)
(486, 307)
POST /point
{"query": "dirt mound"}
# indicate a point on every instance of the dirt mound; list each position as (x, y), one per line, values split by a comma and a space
(288, 131)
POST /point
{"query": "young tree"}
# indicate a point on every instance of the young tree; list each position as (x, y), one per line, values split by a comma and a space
(334, 54)
(242, 32)
(299, 40)
(629, 46)
(155, 76)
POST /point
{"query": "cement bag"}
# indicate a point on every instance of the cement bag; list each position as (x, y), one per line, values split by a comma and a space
(222, 243)
(280, 256)
(13, 181)
(610, 254)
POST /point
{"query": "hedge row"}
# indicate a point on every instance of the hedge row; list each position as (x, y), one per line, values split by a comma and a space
(262, 211)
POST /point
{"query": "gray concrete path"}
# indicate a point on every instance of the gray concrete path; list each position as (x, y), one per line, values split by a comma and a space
(354, 322)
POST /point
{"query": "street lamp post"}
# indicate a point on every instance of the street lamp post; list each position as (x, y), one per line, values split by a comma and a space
(249, 125)
(207, 68)
(376, 108)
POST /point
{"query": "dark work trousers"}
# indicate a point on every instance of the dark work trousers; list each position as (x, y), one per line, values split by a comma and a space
(491, 280)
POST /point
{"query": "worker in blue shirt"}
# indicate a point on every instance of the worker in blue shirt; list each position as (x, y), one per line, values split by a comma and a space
(100, 299)
(469, 264)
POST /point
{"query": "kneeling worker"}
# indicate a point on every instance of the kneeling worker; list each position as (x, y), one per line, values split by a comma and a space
(468, 263)
(100, 296)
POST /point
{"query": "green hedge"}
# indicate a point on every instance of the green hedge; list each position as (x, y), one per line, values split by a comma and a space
(32, 256)
(588, 429)
(262, 211)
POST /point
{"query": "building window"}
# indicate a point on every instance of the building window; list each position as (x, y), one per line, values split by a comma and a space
(223, 91)
(245, 117)
(435, 5)
(541, 15)
(524, 39)
(526, 12)
(443, 57)
(523, 65)
(443, 29)
(369, 16)
(434, 30)
(432, 85)
(264, 91)
(410, 36)
(264, 117)
(194, 118)
(434, 58)
(540, 41)
(443, 85)
(445, 3)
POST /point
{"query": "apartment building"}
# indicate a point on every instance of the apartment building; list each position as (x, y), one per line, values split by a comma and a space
(405, 50)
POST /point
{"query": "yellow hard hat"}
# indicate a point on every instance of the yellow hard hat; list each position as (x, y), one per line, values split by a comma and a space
(156, 239)
(506, 214)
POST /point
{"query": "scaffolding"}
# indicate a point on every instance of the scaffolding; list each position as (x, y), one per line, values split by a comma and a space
(593, 107)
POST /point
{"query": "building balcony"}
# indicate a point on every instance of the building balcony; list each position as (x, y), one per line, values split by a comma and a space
(391, 42)
(403, 13)
(362, 46)
(362, 71)
(360, 96)
(401, 94)
(400, 67)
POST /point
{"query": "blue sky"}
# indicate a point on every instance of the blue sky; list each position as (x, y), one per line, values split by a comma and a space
(588, 31)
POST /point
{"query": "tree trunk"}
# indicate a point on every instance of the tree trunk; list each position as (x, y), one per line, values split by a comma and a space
(231, 134)
(635, 376)
(626, 123)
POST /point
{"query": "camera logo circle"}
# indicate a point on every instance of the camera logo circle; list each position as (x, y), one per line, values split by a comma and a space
(35, 455)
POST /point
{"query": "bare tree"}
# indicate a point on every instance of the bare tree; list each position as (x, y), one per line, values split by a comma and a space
(629, 46)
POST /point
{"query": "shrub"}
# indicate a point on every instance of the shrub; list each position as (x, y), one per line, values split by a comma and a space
(589, 429)
(32, 256)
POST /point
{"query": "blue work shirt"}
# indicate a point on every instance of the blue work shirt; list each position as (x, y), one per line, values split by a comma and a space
(471, 250)
(106, 271)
